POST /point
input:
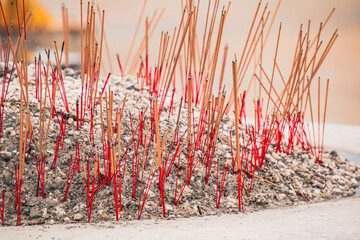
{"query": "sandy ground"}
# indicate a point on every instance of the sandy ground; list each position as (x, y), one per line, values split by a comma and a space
(336, 219)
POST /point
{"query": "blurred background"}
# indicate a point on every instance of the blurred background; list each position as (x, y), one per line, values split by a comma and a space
(342, 65)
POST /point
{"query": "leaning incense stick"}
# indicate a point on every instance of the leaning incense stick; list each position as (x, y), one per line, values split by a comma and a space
(324, 118)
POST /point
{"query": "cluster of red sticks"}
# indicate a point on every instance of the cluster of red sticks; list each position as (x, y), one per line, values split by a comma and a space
(282, 121)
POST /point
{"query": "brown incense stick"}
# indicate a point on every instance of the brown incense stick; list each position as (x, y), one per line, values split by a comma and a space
(324, 119)
(234, 67)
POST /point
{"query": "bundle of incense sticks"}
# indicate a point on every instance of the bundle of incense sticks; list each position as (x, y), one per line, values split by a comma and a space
(192, 57)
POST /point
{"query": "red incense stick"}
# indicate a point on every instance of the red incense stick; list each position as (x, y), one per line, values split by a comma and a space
(2, 207)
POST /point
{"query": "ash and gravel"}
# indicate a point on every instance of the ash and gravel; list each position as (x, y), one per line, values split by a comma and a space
(298, 172)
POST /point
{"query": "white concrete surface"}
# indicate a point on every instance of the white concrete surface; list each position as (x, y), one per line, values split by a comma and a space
(338, 219)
